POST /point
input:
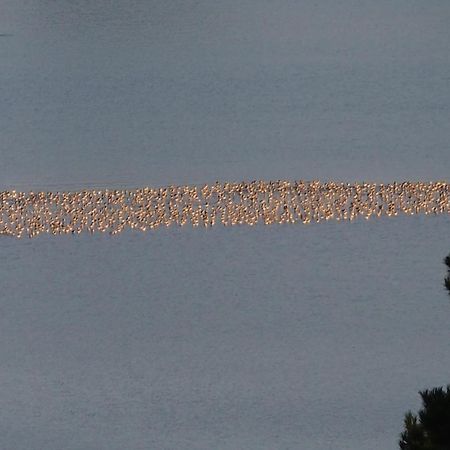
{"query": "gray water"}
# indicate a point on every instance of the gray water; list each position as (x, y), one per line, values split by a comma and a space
(286, 337)
(142, 92)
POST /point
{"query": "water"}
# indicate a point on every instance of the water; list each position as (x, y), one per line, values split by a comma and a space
(130, 93)
(313, 337)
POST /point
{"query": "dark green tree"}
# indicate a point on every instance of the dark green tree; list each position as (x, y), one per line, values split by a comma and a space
(447, 278)
(430, 428)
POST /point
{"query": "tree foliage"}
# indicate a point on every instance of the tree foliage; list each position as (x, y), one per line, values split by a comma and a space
(430, 428)
(447, 278)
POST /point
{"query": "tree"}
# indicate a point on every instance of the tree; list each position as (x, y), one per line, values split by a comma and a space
(430, 428)
(447, 278)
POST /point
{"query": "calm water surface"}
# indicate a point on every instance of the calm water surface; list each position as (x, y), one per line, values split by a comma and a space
(145, 92)
(296, 337)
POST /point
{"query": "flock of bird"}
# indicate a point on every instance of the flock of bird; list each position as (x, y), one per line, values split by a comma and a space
(249, 203)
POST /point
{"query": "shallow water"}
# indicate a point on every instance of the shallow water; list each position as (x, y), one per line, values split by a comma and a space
(133, 93)
(289, 336)
(314, 337)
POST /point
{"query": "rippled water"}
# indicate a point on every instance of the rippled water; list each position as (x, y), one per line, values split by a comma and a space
(138, 92)
(281, 337)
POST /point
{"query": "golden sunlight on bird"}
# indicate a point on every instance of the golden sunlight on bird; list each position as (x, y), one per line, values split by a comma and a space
(246, 203)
